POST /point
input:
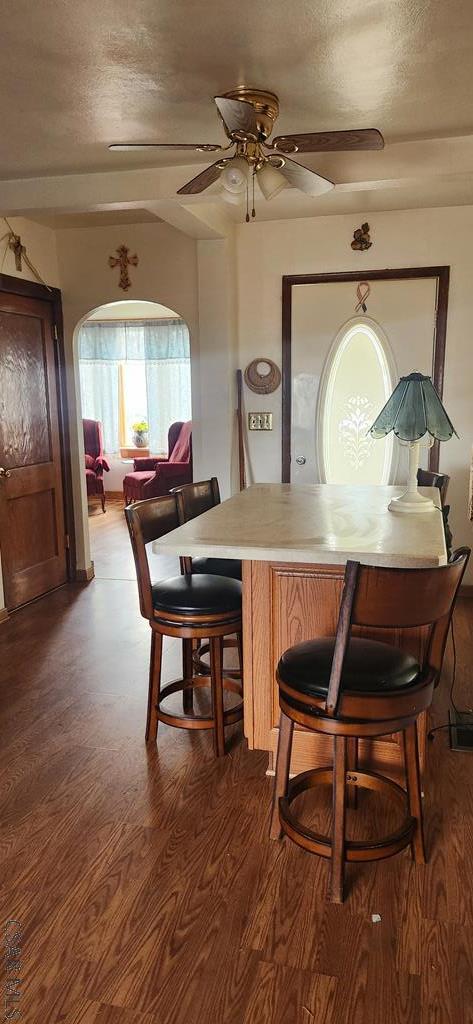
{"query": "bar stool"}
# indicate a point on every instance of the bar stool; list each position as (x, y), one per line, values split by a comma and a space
(189, 608)
(350, 687)
(426, 478)
(192, 500)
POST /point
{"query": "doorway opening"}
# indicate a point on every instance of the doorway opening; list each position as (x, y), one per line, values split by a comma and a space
(134, 368)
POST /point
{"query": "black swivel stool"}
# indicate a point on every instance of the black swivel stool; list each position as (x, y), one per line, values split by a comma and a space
(351, 687)
(191, 608)
(192, 500)
(427, 478)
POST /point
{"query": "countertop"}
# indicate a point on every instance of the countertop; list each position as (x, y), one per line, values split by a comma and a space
(322, 524)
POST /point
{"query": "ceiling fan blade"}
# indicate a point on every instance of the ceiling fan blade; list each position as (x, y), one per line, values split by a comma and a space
(238, 116)
(328, 142)
(304, 179)
(197, 147)
(201, 181)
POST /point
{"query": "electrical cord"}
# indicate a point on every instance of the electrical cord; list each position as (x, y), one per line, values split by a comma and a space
(458, 711)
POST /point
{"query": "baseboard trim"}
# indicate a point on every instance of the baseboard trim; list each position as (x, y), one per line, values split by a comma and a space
(85, 575)
(4, 615)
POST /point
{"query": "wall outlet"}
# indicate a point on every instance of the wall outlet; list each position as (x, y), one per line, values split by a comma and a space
(260, 421)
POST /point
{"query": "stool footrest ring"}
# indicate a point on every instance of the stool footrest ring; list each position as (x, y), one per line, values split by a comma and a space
(181, 720)
(355, 850)
(202, 667)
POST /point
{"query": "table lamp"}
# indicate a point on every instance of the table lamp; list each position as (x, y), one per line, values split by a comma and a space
(413, 411)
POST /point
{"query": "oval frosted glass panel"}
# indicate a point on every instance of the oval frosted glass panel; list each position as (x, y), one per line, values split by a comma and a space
(358, 382)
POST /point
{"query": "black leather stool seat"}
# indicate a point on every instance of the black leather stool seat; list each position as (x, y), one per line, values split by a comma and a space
(197, 595)
(230, 567)
(370, 667)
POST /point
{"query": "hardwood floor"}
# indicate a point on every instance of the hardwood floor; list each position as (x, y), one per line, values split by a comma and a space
(144, 881)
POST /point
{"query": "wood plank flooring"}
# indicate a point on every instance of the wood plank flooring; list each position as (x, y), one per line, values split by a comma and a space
(145, 884)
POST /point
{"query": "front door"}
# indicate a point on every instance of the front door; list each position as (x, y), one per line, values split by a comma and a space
(345, 364)
(32, 537)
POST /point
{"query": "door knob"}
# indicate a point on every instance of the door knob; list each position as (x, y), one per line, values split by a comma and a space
(300, 460)
(5, 472)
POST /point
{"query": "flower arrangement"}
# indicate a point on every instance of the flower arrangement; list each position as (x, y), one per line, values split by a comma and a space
(140, 433)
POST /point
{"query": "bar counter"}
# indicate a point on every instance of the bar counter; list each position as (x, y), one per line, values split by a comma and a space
(294, 542)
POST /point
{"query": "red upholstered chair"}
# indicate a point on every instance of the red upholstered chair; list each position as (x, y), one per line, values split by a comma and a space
(95, 463)
(152, 478)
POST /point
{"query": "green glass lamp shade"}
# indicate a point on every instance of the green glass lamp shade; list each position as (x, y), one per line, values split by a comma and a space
(414, 410)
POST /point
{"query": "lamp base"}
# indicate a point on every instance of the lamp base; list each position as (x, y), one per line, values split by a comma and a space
(411, 502)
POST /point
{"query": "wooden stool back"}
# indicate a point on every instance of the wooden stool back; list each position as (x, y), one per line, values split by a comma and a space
(196, 498)
(147, 521)
(426, 478)
(388, 598)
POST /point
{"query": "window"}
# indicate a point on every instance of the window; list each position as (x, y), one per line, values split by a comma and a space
(357, 381)
(135, 370)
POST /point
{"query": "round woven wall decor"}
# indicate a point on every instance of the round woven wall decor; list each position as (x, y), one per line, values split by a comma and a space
(262, 376)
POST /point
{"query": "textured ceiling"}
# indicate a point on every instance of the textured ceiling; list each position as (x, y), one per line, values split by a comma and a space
(75, 76)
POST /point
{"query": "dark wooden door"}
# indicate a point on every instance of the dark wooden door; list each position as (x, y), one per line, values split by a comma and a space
(32, 536)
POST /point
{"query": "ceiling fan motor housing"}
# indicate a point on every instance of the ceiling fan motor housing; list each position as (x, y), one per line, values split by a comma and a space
(265, 105)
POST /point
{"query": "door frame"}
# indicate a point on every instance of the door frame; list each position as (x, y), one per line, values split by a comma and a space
(34, 290)
(289, 281)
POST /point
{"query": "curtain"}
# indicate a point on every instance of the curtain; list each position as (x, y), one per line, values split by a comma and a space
(168, 387)
(163, 345)
(99, 394)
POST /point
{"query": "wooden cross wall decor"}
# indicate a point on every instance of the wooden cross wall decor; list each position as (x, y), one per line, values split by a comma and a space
(123, 261)
(18, 249)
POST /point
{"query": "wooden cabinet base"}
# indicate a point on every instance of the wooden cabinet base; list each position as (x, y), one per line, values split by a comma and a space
(285, 604)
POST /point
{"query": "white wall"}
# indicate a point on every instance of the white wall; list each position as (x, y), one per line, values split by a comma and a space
(266, 251)
(166, 273)
(214, 442)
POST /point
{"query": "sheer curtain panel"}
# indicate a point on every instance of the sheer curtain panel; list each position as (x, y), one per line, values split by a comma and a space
(162, 346)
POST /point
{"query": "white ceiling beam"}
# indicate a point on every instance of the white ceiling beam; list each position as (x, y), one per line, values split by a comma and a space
(72, 193)
(205, 221)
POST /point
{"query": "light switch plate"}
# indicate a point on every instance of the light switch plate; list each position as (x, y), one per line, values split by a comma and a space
(260, 421)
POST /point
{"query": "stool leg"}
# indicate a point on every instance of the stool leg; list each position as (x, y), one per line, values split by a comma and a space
(187, 669)
(411, 760)
(283, 762)
(154, 686)
(337, 864)
(216, 672)
(352, 762)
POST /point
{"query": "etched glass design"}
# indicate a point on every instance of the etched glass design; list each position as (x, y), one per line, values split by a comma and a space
(357, 382)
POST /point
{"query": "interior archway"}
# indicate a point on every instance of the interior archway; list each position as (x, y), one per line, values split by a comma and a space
(132, 365)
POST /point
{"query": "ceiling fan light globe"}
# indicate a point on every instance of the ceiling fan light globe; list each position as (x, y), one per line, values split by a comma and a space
(235, 175)
(234, 198)
(270, 180)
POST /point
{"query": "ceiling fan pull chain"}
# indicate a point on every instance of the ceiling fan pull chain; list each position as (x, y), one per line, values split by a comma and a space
(253, 212)
(247, 203)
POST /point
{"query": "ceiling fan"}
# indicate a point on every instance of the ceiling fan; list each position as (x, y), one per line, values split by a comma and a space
(248, 117)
